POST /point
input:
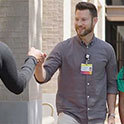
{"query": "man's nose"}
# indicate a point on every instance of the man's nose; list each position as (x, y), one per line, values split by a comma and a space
(80, 23)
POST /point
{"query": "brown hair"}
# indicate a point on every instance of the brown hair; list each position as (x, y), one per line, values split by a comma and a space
(87, 5)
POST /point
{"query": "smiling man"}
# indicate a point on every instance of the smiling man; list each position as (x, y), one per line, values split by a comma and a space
(87, 73)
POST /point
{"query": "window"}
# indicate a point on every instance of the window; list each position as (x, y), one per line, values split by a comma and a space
(114, 35)
(115, 2)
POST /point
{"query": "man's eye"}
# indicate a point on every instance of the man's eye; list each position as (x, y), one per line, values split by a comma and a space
(76, 19)
(83, 19)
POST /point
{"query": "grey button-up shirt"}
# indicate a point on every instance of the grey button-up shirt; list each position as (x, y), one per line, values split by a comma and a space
(83, 96)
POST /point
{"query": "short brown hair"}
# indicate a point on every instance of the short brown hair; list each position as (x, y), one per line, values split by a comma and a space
(87, 5)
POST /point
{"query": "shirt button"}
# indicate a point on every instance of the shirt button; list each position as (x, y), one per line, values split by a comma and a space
(88, 84)
(88, 109)
(88, 96)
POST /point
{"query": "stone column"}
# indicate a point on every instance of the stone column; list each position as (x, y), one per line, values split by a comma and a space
(20, 28)
(67, 19)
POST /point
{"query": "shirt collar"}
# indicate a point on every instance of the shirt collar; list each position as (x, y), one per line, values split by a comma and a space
(83, 44)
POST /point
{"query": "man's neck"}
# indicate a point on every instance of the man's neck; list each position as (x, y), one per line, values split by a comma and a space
(87, 39)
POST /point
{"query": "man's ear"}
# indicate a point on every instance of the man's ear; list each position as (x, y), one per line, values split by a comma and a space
(95, 19)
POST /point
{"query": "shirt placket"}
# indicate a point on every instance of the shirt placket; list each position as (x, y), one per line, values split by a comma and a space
(88, 89)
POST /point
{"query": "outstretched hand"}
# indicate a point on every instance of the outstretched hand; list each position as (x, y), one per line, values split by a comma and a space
(37, 54)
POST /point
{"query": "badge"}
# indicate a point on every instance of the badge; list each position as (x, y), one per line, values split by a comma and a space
(86, 69)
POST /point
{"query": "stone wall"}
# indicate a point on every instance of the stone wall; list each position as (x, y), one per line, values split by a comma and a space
(14, 32)
(52, 33)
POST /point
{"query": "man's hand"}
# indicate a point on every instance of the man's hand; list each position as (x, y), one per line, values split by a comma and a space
(37, 54)
(111, 120)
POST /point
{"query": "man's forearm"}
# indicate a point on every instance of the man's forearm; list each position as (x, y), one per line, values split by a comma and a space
(111, 100)
(40, 73)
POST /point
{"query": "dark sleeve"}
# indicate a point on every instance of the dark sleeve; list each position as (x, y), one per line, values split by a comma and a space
(53, 62)
(112, 73)
(13, 79)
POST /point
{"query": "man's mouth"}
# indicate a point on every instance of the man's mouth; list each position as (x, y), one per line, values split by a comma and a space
(80, 30)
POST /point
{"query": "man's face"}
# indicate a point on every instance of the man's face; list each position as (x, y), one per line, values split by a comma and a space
(84, 23)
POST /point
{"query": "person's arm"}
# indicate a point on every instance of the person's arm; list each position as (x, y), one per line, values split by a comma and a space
(40, 73)
(111, 70)
(13, 79)
(121, 106)
(44, 71)
(39, 70)
(111, 101)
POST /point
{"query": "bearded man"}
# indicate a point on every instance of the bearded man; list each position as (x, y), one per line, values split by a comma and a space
(87, 73)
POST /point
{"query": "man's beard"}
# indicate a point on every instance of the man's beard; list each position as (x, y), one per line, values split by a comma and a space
(86, 31)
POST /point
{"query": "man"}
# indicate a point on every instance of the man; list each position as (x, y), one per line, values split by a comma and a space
(120, 82)
(87, 73)
(13, 79)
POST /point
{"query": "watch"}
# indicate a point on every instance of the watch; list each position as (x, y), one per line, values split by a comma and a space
(111, 115)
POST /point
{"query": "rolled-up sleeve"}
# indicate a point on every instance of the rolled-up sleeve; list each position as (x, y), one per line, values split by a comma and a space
(111, 70)
(53, 62)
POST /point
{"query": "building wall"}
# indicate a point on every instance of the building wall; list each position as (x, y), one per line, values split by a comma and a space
(19, 29)
(14, 32)
(52, 33)
(73, 4)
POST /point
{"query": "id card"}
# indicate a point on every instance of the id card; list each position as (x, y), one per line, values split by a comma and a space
(86, 69)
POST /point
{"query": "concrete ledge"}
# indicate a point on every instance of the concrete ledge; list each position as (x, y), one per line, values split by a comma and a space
(115, 13)
(27, 112)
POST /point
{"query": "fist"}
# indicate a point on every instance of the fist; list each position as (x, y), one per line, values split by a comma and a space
(40, 56)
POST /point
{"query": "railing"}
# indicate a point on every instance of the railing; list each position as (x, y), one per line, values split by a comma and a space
(48, 119)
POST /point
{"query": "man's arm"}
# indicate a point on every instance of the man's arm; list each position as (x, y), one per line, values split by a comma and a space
(121, 106)
(40, 73)
(44, 71)
(111, 101)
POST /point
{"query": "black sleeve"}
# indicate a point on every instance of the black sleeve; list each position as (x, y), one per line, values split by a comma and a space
(13, 79)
